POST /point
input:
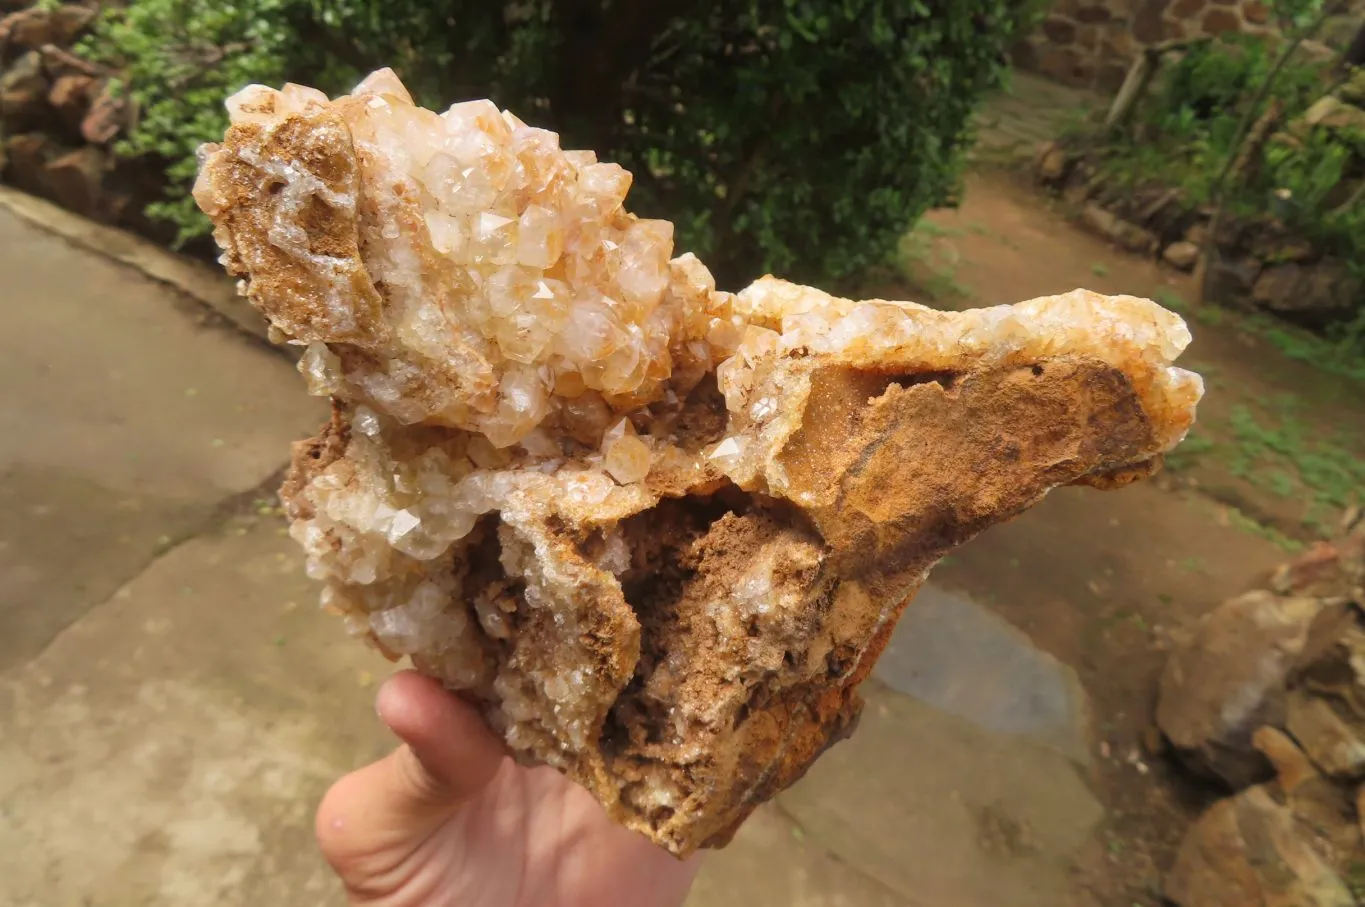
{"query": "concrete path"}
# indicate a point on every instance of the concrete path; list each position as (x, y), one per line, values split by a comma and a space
(172, 704)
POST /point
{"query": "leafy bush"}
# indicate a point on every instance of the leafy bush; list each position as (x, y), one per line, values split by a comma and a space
(179, 60)
(1186, 125)
(797, 136)
(1185, 129)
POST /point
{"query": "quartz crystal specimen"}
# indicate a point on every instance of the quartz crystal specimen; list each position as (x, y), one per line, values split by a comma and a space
(658, 532)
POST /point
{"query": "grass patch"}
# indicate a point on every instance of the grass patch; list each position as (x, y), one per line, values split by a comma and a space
(930, 264)
(936, 231)
(1343, 356)
(1190, 452)
(1274, 452)
(1272, 448)
(1246, 524)
(1169, 299)
(1210, 316)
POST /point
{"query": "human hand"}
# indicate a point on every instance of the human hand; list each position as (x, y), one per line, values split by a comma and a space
(449, 820)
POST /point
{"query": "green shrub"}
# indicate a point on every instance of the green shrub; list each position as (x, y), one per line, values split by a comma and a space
(797, 136)
(1185, 128)
(179, 59)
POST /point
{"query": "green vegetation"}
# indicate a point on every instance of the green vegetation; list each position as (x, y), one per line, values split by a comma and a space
(1301, 173)
(1343, 354)
(793, 136)
(1275, 451)
(1271, 447)
(1183, 130)
(1245, 523)
(1190, 450)
(930, 262)
(1209, 315)
(1171, 300)
(1355, 880)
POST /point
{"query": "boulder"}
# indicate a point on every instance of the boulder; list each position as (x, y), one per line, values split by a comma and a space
(1320, 572)
(1197, 234)
(38, 25)
(23, 93)
(75, 180)
(1313, 294)
(1119, 231)
(106, 118)
(70, 97)
(1182, 254)
(58, 61)
(1051, 164)
(1276, 282)
(1247, 850)
(1274, 248)
(1326, 703)
(1332, 113)
(1230, 281)
(1229, 679)
(1319, 804)
(1334, 743)
(27, 154)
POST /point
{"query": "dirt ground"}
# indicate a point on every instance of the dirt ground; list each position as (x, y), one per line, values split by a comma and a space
(1105, 582)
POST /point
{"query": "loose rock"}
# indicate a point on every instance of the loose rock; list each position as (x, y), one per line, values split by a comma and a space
(1248, 850)
(23, 90)
(33, 27)
(70, 97)
(27, 154)
(106, 119)
(1052, 164)
(74, 180)
(1119, 231)
(1315, 294)
(1320, 572)
(1229, 679)
(1182, 254)
(1230, 282)
(1333, 743)
(58, 62)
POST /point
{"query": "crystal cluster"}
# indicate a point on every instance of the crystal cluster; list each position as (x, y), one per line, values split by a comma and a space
(659, 532)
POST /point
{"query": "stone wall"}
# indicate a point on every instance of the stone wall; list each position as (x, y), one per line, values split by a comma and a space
(1261, 265)
(60, 115)
(1090, 43)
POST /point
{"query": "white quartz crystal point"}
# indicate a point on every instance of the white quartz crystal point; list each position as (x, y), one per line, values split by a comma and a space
(456, 269)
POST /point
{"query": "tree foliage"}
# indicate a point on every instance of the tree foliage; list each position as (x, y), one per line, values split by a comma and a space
(795, 136)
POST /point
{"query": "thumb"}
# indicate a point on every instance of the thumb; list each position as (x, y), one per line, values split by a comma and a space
(387, 808)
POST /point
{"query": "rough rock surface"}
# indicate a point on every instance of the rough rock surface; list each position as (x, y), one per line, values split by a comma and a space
(660, 532)
(1272, 844)
(1229, 679)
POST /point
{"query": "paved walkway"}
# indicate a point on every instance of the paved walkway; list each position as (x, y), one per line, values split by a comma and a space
(172, 704)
